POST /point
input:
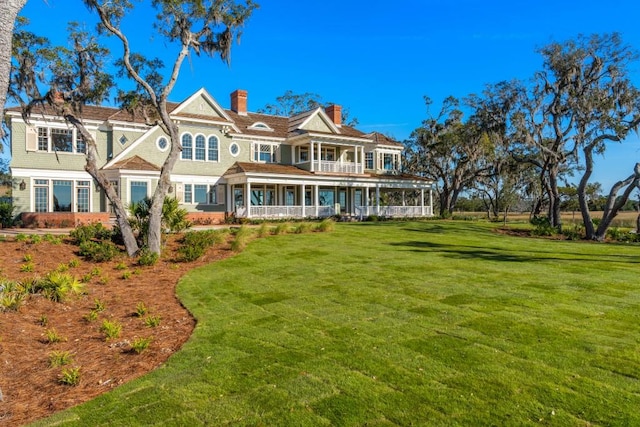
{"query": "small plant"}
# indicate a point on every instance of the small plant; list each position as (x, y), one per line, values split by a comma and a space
(152, 321)
(86, 278)
(21, 237)
(104, 280)
(53, 337)
(54, 240)
(302, 228)
(35, 239)
(74, 263)
(62, 268)
(327, 225)
(542, 227)
(27, 268)
(263, 230)
(96, 271)
(60, 358)
(141, 309)
(281, 228)
(43, 320)
(99, 305)
(70, 376)
(11, 301)
(27, 258)
(140, 344)
(92, 316)
(56, 286)
(111, 330)
(121, 266)
(147, 257)
(126, 275)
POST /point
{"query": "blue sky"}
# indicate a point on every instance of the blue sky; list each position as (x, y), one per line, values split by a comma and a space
(380, 58)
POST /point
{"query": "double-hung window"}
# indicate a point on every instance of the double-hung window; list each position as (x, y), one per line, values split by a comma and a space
(60, 140)
(61, 195)
(201, 194)
(187, 146)
(368, 160)
(212, 154)
(200, 148)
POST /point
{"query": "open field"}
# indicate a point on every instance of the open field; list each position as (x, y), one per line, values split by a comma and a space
(417, 323)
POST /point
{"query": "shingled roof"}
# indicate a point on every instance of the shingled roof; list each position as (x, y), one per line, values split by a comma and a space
(134, 163)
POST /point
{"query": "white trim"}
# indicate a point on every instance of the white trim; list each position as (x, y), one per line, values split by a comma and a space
(246, 137)
(202, 92)
(234, 143)
(319, 111)
(166, 138)
(196, 179)
(50, 174)
(129, 179)
(131, 146)
(261, 126)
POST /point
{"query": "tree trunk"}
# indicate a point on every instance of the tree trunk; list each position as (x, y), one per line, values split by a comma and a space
(9, 10)
(615, 202)
(122, 217)
(582, 193)
(154, 237)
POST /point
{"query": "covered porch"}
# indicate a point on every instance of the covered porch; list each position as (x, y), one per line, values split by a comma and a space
(300, 194)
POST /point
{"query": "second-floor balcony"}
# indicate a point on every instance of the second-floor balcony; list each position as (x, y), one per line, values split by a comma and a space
(332, 166)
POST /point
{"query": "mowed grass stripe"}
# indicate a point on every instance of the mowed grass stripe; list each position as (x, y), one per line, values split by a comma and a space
(423, 323)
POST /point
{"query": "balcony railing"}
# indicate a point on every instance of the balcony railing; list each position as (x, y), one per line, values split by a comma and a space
(333, 167)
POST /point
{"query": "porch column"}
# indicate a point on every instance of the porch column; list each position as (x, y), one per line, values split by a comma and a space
(311, 156)
(319, 156)
(422, 200)
(367, 202)
(248, 199)
(430, 201)
(403, 201)
(304, 196)
(230, 205)
(316, 199)
(377, 200)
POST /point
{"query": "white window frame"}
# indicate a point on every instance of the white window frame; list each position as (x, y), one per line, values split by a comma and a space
(256, 150)
(210, 189)
(75, 137)
(158, 143)
(207, 150)
(75, 185)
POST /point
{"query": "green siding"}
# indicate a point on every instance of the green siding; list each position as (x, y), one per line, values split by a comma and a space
(202, 107)
(317, 124)
(286, 154)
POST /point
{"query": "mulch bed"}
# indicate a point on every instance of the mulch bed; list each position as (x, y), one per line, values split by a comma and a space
(30, 388)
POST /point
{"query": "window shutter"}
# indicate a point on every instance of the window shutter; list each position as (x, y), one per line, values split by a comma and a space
(179, 189)
(253, 152)
(32, 139)
(276, 154)
(220, 194)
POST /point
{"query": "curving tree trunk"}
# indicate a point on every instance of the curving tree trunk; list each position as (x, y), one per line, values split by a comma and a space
(9, 10)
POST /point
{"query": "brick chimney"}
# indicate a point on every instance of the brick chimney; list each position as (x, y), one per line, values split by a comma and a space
(335, 114)
(239, 102)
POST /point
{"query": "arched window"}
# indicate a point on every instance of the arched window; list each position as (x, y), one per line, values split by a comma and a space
(212, 155)
(200, 148)
(187, 146)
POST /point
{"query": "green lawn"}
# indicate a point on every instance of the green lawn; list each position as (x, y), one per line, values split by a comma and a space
(422, 323)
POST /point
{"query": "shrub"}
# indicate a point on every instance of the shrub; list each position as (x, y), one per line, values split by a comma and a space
(54, 240)
(6, 214)
(173, 218)
(281, 228)
(152, 321)
(542, 227)
(92, 316)
(121, 266)
(27, 268)
(70, 376)
(302, 228)
(147, 257)
(111, 330)
(195, 243)
(52, 336)
(140, 344)
(327, 225)
(11, 301)
(60, 358)
(74, 263)
(99, 305)
(27, 258)
(56, 286)
(141, 309)
(98, 252)
(574, 233)
(84, 233)
(263, 230)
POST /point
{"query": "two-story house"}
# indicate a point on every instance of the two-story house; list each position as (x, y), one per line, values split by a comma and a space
(233, 163)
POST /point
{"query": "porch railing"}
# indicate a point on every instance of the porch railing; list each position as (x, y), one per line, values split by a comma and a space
(271, 212)
(395, 211)
(286, 211)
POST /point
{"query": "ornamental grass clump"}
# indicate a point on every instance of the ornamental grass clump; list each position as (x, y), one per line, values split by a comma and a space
(111, 330)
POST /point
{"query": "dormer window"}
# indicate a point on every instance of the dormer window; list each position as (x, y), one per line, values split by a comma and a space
(260, 126)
